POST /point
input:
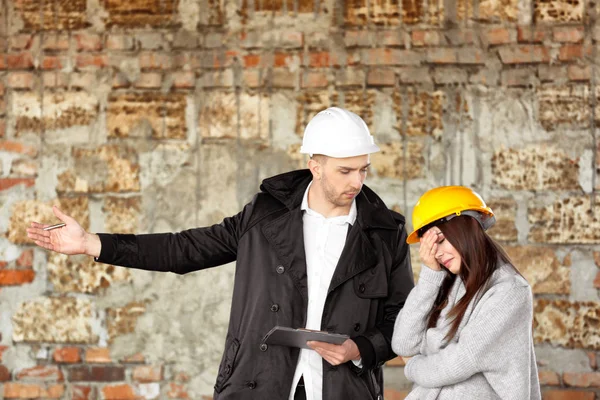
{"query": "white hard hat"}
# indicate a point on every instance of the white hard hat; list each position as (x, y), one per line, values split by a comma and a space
(338, 133)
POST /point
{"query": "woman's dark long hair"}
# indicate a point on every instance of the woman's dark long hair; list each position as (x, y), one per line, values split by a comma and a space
(481, 256)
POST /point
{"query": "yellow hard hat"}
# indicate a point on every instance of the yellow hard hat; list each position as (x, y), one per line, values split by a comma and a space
(446, 202)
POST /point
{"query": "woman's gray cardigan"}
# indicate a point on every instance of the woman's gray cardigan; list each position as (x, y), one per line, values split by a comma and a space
(490, 357)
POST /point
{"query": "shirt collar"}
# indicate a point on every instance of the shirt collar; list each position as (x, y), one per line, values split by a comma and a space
(342, 219)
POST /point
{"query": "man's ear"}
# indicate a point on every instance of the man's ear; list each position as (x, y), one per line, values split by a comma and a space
(315, 168)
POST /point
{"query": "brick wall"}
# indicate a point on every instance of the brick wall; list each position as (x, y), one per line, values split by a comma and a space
(161, 115)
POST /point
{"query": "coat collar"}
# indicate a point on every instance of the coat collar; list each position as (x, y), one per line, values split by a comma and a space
(289, 188)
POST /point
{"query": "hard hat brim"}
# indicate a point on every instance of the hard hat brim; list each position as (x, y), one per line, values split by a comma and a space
(342, 153)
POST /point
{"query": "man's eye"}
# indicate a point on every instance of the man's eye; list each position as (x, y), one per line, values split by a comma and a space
(345, 172)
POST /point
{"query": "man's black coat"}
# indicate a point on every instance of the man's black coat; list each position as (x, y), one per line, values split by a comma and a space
(369, 286)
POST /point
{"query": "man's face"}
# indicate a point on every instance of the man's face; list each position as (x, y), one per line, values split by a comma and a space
(342, 178)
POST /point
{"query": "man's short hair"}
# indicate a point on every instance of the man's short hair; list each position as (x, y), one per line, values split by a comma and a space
(320, 158)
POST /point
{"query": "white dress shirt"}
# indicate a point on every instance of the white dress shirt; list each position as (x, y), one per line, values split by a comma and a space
(324, 240)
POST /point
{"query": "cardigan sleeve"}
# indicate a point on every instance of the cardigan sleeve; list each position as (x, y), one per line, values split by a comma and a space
(497, 342)
(411, 324)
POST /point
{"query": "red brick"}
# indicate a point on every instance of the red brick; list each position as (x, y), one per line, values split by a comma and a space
(14, 390)
(314, 79)
(184, 80)
(426, 38)
(524, 54)
(20, 42)
(16, 147)
(549, 378)
(381, 77)
(53, 62)
(177, 391)
(251, 60)
(2, 350)
(283, 59)
(528, 34)
(9, 277)
(97, 355)
(393, 394)
(567, 395)
(579, 73)
(88, 42)
(26, 257)
(67, 355)
(568, 34)
(119, 42)
(4, 374)
(393, 38)
(54, 79)
(149, 80)
(383, 56)
(593, 360)
(96, 373)
(151, 60)
(41, 372)
(442, 56)
(55, 43)
(582, 379)
(571, 52)
(362, 38)
(91, 60)
(221, 59)
(147, 373)
(22, 60)
(497, 36)
(119, 392)
(135, 358)
(82, 393)
(7, 183)
(319, 59)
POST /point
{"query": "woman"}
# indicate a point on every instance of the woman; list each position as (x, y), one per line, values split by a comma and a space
(468, 322)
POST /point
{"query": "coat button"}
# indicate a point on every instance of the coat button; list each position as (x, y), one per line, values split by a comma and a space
(263, 347)
(361, 288)
(251, 385)
(280, 269)
(275, 307)
(228, 369)
(357, 327)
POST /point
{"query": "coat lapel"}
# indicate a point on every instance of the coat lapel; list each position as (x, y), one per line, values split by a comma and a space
(286, 236)
(358, 255)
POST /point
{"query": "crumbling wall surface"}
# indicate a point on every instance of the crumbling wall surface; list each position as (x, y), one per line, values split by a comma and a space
(162, 115)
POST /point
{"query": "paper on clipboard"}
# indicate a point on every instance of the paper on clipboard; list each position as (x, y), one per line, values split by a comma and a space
(284, 336)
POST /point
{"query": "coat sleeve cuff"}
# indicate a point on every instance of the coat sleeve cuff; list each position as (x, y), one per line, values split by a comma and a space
(367, 352)
(108, 247)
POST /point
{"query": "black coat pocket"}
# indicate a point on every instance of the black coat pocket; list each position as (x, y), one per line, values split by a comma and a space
(227, 364)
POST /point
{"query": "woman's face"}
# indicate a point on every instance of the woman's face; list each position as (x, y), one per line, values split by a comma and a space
(446, 254)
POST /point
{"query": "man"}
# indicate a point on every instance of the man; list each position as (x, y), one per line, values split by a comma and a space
(315, 249)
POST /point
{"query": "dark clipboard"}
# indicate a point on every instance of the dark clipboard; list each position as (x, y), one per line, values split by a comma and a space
(284, 336)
